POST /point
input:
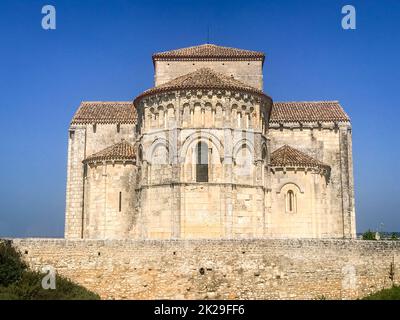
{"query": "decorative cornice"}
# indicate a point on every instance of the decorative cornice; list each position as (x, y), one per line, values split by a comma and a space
(199, 80)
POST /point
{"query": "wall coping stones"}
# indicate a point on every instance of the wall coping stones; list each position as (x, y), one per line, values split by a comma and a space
(246, 241)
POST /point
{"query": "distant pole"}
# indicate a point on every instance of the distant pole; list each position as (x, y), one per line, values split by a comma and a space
(208, 34)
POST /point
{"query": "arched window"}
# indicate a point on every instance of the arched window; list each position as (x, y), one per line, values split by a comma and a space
(239, 119)
(192, 117)
(213, 112)
(140, 154)
(201, 162)
(290, 202)
(264, 153)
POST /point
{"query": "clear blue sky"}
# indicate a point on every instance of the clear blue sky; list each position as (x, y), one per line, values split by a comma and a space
(101, 50)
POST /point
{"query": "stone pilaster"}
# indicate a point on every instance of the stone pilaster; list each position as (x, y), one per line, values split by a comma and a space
(347, 184)
(75, 183)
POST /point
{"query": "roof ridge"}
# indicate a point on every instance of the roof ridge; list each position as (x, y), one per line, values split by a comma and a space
(208, 50)
(190, 47)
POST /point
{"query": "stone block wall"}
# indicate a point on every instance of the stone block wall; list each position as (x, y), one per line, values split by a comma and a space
(331, 144)
(249, 72)
(200, 211)
(310, 215)
(75, 182)
(101, 136)
(110, 200)
(221, 269)
(173, 202)
(84, 140)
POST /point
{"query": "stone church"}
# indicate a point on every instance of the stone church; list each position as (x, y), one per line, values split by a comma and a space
(207, 154)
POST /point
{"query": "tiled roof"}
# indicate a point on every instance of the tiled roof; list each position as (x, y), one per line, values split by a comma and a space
(308, 111)
(119, 151)
(105, 112)
(209, 52)
(203, 78)
(287, 156)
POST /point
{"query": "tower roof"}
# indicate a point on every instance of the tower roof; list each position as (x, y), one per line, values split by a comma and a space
(209, 52)
(119, 151)
(105, 112)
(203, 78)
(287, 156)
(308, 111)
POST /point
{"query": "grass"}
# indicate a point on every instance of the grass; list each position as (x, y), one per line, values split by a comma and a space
(385, 294)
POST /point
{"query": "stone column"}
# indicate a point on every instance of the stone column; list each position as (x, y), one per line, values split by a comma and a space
(175, 142)
(258, 161)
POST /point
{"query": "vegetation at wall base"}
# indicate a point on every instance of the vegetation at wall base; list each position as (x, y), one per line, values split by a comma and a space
(11, 265)
(17, 282)
(382, 235)
(368, 235)
(394, 236)
(385, 294)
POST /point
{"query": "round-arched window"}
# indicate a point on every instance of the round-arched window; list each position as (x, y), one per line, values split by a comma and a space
(201, 162)
(264, 153)
(140, 155)
(290, 202)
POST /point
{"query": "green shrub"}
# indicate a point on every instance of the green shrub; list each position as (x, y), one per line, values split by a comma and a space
(368, 235)
(385, 294)
(17, 282)
(11, 265)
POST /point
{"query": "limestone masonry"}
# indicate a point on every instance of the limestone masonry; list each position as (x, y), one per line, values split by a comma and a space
(220, 269)
(206, 154)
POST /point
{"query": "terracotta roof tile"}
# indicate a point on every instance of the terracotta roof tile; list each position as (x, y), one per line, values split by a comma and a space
(308, 111)
(287, 156)
(119, 151)
(203, 78)
(105, 112)
(209, 52)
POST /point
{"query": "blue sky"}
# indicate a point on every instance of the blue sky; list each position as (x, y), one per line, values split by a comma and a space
(101, 50)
